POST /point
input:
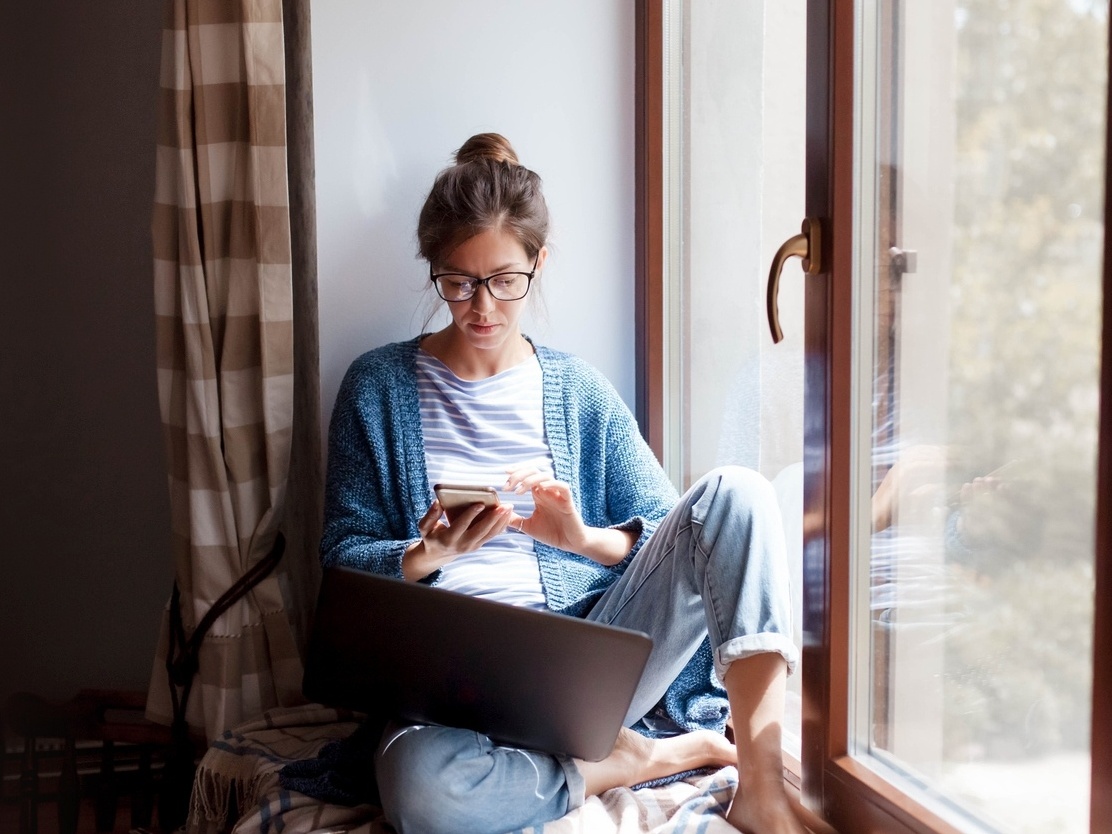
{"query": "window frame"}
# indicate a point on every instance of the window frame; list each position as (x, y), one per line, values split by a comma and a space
(832, 783)
(649, 221)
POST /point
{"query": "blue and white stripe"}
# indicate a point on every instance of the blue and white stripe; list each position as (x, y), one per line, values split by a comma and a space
(474, 431)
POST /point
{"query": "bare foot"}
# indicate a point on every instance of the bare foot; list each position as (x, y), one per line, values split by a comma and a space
(637, 759)
(764, 809)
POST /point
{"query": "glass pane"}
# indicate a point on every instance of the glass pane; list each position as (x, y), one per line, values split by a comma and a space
(980, 266)
(735, 111)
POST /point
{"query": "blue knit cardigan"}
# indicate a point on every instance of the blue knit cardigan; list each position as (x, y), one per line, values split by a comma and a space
(378, 489)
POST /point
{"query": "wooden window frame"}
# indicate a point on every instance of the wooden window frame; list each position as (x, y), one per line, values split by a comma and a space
(844, 791)
(649, 221)
(1101, 732)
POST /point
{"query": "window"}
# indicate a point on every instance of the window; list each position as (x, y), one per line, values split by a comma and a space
(954, 153)
(732, 186)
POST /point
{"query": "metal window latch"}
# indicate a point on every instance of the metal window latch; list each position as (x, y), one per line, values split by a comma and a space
(904, 261)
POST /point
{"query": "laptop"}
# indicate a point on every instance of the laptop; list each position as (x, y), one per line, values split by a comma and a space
(526, 678)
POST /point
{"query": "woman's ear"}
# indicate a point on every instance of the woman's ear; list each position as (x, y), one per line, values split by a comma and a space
(542, 256)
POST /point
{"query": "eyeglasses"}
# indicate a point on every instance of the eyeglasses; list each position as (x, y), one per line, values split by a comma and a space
(504, 286)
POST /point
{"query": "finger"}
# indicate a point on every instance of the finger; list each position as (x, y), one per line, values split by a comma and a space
(495, 524)
(485, 527)
(429, 520)
(466, 516)
(555, 493)
(524, 483)
(517, 523)
(544, 481)
(518, 475)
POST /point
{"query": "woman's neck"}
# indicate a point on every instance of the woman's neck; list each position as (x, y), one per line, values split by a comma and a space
(471, 363)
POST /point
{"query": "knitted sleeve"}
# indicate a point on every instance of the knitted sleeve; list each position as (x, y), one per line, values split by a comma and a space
(623, 483)
(638, 490)
(618, 479)
(373, 440)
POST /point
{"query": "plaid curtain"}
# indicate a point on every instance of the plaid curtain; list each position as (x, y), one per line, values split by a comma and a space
(224, 312)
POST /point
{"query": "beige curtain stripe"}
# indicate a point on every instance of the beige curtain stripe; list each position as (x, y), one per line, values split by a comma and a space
(211, 109)
(274, 246)
(276, 335)
(253, 343)
(169, 343)
(270, 187)
(267, 61)
(269, 101)
(220, 229)
(171, 398)
(214, 11)
(244, 346)
(187, 552)
(175, 119)
(220, 557)
(220, 113)
(244, 465)
(192, 461)
(171, 227)
(236, 229)
(232, 171)
(223, 11)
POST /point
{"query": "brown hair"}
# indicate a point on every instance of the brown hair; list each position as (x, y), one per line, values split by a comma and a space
(487, 188)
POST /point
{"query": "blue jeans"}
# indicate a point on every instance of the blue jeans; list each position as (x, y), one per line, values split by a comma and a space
(716, 565)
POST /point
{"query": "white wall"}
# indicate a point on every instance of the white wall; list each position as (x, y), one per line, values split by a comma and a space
(398, 87)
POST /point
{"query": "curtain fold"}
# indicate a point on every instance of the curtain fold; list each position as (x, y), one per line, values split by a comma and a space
(304, 514)
(225, 351)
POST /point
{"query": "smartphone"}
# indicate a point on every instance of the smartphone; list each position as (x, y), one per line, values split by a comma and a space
(455, 498)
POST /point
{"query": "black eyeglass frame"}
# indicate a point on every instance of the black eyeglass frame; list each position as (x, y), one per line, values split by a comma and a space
(485, 282)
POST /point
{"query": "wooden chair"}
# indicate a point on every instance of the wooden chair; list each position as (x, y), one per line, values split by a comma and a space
(106, 716)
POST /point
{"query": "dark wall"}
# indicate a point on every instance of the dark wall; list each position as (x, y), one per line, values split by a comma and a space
(85, 567)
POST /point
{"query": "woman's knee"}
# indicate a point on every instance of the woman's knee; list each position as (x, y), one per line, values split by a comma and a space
(419, 780)
(441, 779)
(737, 515)
(738, 488)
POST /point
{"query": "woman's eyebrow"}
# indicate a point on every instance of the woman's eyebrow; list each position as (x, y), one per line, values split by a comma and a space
(507, 267)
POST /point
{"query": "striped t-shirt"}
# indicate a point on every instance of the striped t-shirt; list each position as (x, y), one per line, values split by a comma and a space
(475, 430)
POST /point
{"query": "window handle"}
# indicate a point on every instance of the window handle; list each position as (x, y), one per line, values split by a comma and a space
(806, 245)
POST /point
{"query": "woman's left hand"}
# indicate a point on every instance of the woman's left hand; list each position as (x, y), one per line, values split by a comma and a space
(555, 520)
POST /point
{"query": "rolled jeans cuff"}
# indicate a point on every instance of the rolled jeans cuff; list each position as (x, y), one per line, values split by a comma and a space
(752, 644)
(577, 788)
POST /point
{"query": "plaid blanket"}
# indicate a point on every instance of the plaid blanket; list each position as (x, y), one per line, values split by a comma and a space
(237, 789)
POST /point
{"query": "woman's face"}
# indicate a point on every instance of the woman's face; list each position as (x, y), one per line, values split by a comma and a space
(484, 322)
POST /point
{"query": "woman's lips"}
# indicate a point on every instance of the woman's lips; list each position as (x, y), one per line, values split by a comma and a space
(484, 329)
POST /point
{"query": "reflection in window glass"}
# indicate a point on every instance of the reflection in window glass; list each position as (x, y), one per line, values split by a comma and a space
(736, 74)
(983, 252)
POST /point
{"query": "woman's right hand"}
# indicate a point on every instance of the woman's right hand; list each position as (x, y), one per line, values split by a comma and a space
(440, 542)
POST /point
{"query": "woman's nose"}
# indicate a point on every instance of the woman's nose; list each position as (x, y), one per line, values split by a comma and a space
(482, 299)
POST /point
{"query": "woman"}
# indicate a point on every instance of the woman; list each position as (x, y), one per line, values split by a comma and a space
(593, 529)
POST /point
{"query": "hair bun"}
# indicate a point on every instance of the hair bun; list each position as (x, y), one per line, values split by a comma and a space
(492, 146)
